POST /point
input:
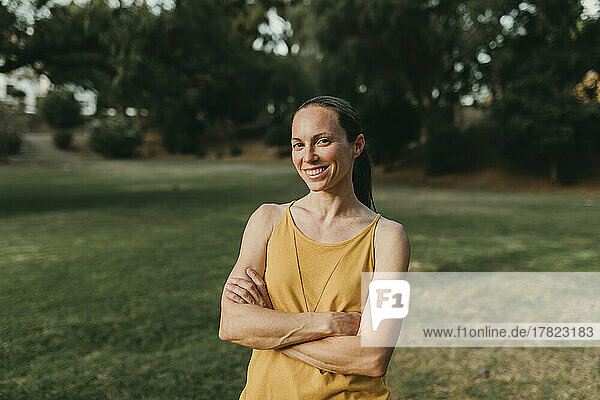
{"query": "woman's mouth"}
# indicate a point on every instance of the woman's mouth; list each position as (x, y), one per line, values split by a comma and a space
(315, 173)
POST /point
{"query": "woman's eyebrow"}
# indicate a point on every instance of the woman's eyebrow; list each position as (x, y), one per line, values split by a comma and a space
(316, 136)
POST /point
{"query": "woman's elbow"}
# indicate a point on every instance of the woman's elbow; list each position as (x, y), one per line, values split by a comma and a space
(378, 371)
(374, 371)
(226, 325)
(224, 334)
(233, 334)
(376, 367)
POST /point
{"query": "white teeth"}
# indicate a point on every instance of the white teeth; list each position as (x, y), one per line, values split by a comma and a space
(315, 171)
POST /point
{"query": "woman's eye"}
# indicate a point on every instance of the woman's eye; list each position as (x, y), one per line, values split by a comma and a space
(295, 146)
(325, 141)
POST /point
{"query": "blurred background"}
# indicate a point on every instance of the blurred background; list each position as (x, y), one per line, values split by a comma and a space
(136, 138)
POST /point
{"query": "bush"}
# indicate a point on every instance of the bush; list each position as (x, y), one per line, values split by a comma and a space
(390, 125)
(235, 150)
(14, 123)
(63, 139)
(180, 143)
(277, 135)
(444, 151)
(556, 132)
(10, 144)
(60, 109)
(116, 137)
(200, 152)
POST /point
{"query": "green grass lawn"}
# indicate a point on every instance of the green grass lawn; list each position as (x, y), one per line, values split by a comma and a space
(111, 275)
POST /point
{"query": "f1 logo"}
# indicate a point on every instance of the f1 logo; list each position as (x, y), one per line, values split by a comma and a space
(389, 299)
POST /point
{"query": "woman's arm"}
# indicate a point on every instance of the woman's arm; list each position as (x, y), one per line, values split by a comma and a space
(258, 327)
(345, 354)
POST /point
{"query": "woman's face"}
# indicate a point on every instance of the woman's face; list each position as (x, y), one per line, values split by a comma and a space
(321, 152)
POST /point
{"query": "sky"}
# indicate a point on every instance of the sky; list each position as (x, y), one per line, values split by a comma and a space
(591, 9)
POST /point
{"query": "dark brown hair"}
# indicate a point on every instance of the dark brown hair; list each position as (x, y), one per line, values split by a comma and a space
(349, 120)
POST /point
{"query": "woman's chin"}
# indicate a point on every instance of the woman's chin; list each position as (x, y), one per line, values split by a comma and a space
(316, 186)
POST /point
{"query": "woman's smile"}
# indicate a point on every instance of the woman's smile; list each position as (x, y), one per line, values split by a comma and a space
(315, 173)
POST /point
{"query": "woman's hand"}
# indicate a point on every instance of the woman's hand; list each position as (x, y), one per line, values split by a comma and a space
(248, 291)
(345, 323)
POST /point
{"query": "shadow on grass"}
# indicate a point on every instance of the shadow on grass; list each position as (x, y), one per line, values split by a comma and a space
(40, 202)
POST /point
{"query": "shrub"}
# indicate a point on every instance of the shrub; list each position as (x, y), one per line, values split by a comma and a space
(10, 144)
(179, 143)
(200, 152)
(60, 109)
(390, 125)
(235, 150)
(557, 132)
(116, 137)
(277, 135)
(14, 123)
(63, 139)
(444, 151)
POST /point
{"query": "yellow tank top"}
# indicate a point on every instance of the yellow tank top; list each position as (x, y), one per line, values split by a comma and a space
(303, 275)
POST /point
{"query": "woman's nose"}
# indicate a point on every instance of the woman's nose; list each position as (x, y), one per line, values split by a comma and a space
(310, 154)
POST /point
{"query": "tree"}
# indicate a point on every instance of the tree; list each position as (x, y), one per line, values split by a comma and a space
(60, 109)
(541, 121)
(191, 67)
(394, 59)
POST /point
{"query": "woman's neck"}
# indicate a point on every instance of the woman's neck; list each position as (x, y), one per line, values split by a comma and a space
(328, 205)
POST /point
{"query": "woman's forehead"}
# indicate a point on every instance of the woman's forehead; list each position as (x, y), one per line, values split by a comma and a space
(313, 120)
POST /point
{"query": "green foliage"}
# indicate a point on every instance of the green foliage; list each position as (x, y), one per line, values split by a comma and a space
(10, 144)
(376, 52)
(386, 57)
(180, 143)
(60, 109)
(403, 64)
(541, 122)
(133, 58)
(277, 134)
(14, 124)
(235, 150)
(390, 123)
(63, 139)
(14, 38)
(200, 152)
(557, 133)
(116, 137)
(444, 151)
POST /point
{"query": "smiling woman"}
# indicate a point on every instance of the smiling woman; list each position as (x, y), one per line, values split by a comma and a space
(294, 294)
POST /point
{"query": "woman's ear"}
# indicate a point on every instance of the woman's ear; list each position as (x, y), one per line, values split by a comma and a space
(358, 145)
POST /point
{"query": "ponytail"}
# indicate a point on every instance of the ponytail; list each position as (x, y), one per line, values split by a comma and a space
(362, 179)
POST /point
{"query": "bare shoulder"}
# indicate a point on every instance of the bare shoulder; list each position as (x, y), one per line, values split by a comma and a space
(258, 230)
(392, 248)
(389, 231)
(269, 215)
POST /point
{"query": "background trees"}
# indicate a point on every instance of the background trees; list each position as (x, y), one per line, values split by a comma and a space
(241, 68)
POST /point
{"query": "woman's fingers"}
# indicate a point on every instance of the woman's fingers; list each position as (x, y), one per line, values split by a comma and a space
(345, 323)
(247, 290)
(260, 285)
(252, 291)
(248, 286)
(241, 292)
(234, 297)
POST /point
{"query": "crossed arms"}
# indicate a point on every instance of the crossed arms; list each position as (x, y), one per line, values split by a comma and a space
(330, 341)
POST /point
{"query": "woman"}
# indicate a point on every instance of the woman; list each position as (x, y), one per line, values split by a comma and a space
(294, 294)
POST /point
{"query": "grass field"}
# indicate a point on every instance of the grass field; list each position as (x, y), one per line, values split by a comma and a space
(111, 274)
